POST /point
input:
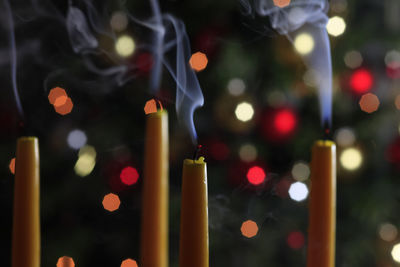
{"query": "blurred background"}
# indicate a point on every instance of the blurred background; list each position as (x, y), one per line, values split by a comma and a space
(258, 123)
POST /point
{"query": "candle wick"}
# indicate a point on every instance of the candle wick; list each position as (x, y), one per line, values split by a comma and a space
(196, 152)
(327, 131)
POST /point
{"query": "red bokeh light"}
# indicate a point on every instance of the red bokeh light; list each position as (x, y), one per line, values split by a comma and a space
(256, 175)
(295, 240)
(279, 124)
(361, 81)
(285, 121)
(129, 175)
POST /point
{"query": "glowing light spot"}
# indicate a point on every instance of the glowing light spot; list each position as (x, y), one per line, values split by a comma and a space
(353, 59)
(388, 232)
(236, 87)
(198, 61)
(11, 166)
(65, 261)
(285, 121)
(129, 263)
(119, 21)
(351, 159)
(151, 106)
(76, 139)
(397, 102)
(361, 81)
(336, 26)
(111, 202)
(369, 103)
(281, 3)
(249, 229)
(248, 152)
(396, 253)
(339, 6)
(297, 15)
(129, 175)
(304, 43)
(125, 46)
(244, 111)
(256, 175)
(61, 100)
(56, 93)
(296, 240)
(66, 108)
(345, 137)
(300, 171)
(298, 191)
(392, 59)
(312, 78)
(86, 161)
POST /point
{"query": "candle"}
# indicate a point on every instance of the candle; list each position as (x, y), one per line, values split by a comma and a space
(322, 206)
(26, 221)
(193, 251)
(154, 232)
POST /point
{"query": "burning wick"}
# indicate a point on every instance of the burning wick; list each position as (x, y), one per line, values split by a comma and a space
(327, 131)
(196, 151)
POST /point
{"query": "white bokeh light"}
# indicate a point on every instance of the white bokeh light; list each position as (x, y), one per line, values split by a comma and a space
(351, 159)
(119, 21)
(345, 137)
(300, 171)
(353, 59)
(125, 46)
(298, 191)
(244, 111)
(396, 252)
(76, 139)
(236, 86)
(304, 43)
(248, 152)
(86, 161)
(336, 26)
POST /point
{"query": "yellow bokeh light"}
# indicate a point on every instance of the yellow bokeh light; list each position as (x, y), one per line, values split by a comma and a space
(351, 159)
(125, 46)
(244, 111)
(396, 252)
(304, 43)
(336, 26)
(86, 161)
(249, 228)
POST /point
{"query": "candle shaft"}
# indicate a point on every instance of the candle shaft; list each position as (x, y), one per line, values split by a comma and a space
(193, 250)
(154, 232)
(322, 206)
(26, 218)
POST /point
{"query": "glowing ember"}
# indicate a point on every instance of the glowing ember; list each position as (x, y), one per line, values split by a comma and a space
(151, 106)
(256, 175)
(12, 165)
(55, 94)
(361, 81)
(129, 263)
(129, 175)
(111, 202)
(198, 61)
(369, 103)
(249, 229)
(281, 3)
(66, 108)
(65, 261)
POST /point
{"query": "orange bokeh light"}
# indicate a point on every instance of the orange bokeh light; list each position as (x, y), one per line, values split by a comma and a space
(12, 165)
(198, 61)
(129, 263)
(281, 3)
(60, 101)
(369, 103)
(249, 228)
(65, 261)
(111, 202)
(55, 93)
(65, 108)
(397, 102)
(151, 106)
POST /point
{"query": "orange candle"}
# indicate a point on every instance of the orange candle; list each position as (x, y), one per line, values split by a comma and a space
(322, 206)
(26, 223)
(154, 232)
(193, 250)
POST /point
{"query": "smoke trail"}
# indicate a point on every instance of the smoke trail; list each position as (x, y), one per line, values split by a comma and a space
(13, 57)
(299, 17)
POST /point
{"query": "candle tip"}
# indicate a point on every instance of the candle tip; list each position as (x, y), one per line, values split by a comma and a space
(196, 151)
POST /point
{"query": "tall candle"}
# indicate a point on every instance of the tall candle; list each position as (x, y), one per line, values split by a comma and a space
(154, 232)
(322, 206)
(26, 220)
(193, 250)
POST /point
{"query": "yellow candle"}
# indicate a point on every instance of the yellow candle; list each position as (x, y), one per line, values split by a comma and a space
(26, 222)
(322, 206)
(154, 232)
(193, 250)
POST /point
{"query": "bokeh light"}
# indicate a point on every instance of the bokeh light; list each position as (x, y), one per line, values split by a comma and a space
(236, 87)
(369, 103)
(392, 59)
(111, 202)
(351, 159)
(281, 3)
(388, 232)
(285, 121)
(244, 111)
(129, 175)
(65, 261)
(198, 61)
(86, 161)
(298, 191)
(256, 175)
(353, 59)
(361, 81)
(76, 139)
(304, 43)
(11, 165)
(125, 46)
(249, 229)
(397, 102)
(66, 108)
(338, 6)
(151, 106)
(300, 171)
(248, 152)
(336, 26)
(396, 253)
(119, 21)
(56, 93)
(295, 240)
(345, 137)
(129, 263)
(296, 15)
